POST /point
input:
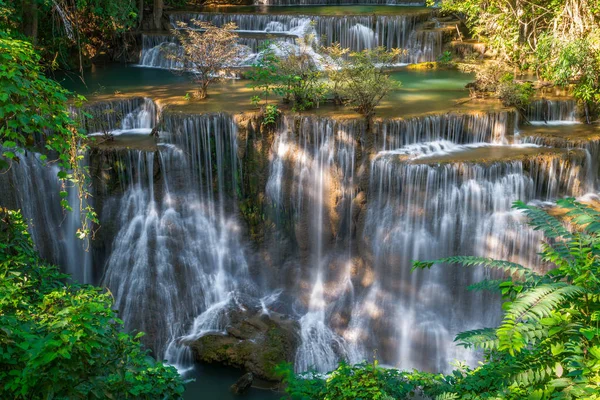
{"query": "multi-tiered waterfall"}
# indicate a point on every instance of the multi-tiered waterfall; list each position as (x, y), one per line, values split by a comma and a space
(341, 211)
(402, 30)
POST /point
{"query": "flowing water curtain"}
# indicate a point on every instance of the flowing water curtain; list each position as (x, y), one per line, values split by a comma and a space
(178, 236)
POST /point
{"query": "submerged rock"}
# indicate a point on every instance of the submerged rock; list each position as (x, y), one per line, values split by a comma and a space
(256, 344)
(242, 385)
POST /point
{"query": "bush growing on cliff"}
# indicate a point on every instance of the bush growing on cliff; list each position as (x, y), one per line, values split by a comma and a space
(547, 345)
(493, 79)
(289, 72)
(208, 52)
(351, 382)
(363, 82)
(63, 341)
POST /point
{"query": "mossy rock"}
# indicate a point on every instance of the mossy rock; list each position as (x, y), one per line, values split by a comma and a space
(256, 344)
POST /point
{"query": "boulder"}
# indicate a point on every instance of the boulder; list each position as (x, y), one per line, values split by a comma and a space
(256, 343)
(242, 385)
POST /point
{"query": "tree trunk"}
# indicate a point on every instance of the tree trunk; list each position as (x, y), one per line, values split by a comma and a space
(202, 92)
(157, 13)
(29, 26)
(140, 13)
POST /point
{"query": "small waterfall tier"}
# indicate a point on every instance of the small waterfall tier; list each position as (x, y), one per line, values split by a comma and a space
(357, 32)
(555, 123)
(117, 116)
(552, 112)
(177, 250)
(352, 31)
(490, 127)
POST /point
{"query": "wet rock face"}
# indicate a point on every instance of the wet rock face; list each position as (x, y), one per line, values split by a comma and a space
(256, 343)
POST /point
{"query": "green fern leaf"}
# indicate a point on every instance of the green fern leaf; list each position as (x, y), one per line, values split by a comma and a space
(582, 215)
(472, 261)
(528, 309)
(479, 338)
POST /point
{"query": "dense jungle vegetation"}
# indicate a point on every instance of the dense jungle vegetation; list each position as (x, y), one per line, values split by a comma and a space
(62, 340)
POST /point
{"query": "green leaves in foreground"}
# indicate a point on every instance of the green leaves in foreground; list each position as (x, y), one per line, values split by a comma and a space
(63, 341)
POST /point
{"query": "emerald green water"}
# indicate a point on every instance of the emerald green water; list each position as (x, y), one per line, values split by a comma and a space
(122, 77)
(213, 382)
(421, 91)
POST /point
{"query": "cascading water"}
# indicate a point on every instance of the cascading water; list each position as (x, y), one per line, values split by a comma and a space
(351, 31)
(35, 189)
(116, 116)
(312, 174)
(423, 46)
(155, 49)
(554, 123)
(32, 186)
(352, 213)
(177, 253)
(423, 211)
(552, 112)
(492, 127)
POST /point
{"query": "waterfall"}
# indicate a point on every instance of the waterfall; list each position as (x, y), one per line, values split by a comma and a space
(343, 216)
(154, 52)
(552, 112)
(312, 176)
(554, 123)
(492, 127)
(352, 31)
(423, 211)
(32, 186)
(156, 47)
(177, 253)
(423, 46)
(136, 113)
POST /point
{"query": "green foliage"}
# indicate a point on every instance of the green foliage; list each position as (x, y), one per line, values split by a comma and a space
(294, 76)
(264, 74)
(33, 107)
(446, 59)
(574, 62)
(63, 341)
(363, 81)
(363, 381)
(548, 343)
(72, 32)
(514, 94)
(270, 115)
(557, 39)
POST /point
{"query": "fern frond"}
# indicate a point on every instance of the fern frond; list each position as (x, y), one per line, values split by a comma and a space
(534, 372)
(552, 228)
(492, 285)
(582, 215)
(541, 220)
(472, 261)
(529, 307)
(485, 338)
